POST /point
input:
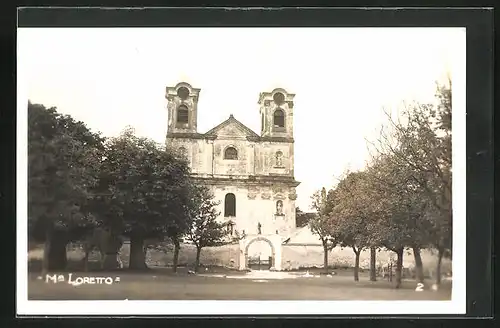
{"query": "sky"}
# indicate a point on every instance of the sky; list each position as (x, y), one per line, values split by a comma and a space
(343, 78)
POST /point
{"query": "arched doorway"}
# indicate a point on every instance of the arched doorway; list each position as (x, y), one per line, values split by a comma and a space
(260, 254)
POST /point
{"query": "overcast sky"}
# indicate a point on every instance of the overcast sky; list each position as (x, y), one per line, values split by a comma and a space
(342, 78)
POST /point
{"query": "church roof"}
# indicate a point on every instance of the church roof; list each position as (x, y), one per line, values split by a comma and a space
(232, 121)
(304, 237)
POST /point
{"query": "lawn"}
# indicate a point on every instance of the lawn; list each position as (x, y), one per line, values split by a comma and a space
(162, 284)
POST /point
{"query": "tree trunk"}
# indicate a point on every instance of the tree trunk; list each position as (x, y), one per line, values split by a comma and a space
(46, 251)
(110, 250)
(356, 263)
(419, 267)
(177, 247)
(438, 268)
(373, 263)
(87, 249)
(197, 262)
(399, 267)
(137, 259)
(57, 259)
(325, 257)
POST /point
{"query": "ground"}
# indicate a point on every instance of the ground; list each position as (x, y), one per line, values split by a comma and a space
(162, 284)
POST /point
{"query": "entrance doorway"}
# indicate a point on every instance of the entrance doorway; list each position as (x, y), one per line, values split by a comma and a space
(257, 263)
(259, 254)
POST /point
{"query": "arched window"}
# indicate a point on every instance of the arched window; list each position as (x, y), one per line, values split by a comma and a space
(230, 153)
(183, 93)
(279, 118)
(230, 205)
(182, 114)
(279, 98)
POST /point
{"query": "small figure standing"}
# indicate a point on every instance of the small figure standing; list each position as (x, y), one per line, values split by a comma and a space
(259, 227)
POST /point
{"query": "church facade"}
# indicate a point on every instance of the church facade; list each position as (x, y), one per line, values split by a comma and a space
(251, 174)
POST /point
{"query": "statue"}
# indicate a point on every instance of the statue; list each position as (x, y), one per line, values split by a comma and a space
(279, 207)
(279, 159)
(259, 226)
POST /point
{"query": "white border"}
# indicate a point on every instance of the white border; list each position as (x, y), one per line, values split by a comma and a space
(457, 305)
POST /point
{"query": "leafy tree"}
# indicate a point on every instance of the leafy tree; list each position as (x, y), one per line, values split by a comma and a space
(63, 162)
(143, 192)
(320, 223)
(420, 143)
(205, 230)
(350, 218)
(401, 217)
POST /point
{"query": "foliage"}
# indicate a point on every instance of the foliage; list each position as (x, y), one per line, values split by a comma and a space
(418, 148)
(63, 163)
(351, 217)
(322, 203)
(205, 230)
(144, 188)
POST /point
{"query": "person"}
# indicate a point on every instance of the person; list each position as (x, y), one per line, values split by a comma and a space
(259, 227)
(279, 207)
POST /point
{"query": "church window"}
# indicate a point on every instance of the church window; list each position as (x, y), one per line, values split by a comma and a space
(230, 153)
(182, 114)
(279, 118)
(278, 98)
(183, 93)
(230, 205)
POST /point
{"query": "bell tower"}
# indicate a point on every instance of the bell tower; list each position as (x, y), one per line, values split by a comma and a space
(182, 108)
(276, 111)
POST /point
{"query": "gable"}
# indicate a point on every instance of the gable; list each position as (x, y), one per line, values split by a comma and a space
(232, 128)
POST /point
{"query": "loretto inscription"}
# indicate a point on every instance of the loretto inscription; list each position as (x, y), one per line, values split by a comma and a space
(74, 280)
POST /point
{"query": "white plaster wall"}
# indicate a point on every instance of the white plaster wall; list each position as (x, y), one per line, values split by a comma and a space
(249, 212)
(240, 166)
(266, 158)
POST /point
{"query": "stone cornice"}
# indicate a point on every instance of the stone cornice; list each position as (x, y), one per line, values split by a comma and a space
(247, 181)
(271, 139)
(188, 135)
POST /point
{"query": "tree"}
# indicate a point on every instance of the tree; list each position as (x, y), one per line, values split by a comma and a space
(320, 225)
(174, 233)
(205, 231)
(350, 218)
(143, 192)
(420, 142)
(401, 219)
(63, 162)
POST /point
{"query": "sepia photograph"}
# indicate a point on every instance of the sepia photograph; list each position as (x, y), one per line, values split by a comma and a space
(193, 165)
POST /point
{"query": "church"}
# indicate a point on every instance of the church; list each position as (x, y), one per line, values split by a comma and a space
(251, 174)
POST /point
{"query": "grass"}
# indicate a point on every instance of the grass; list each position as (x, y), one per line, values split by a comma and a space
(163, 284)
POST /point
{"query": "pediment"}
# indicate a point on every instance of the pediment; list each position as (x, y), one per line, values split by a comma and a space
(232, 128)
